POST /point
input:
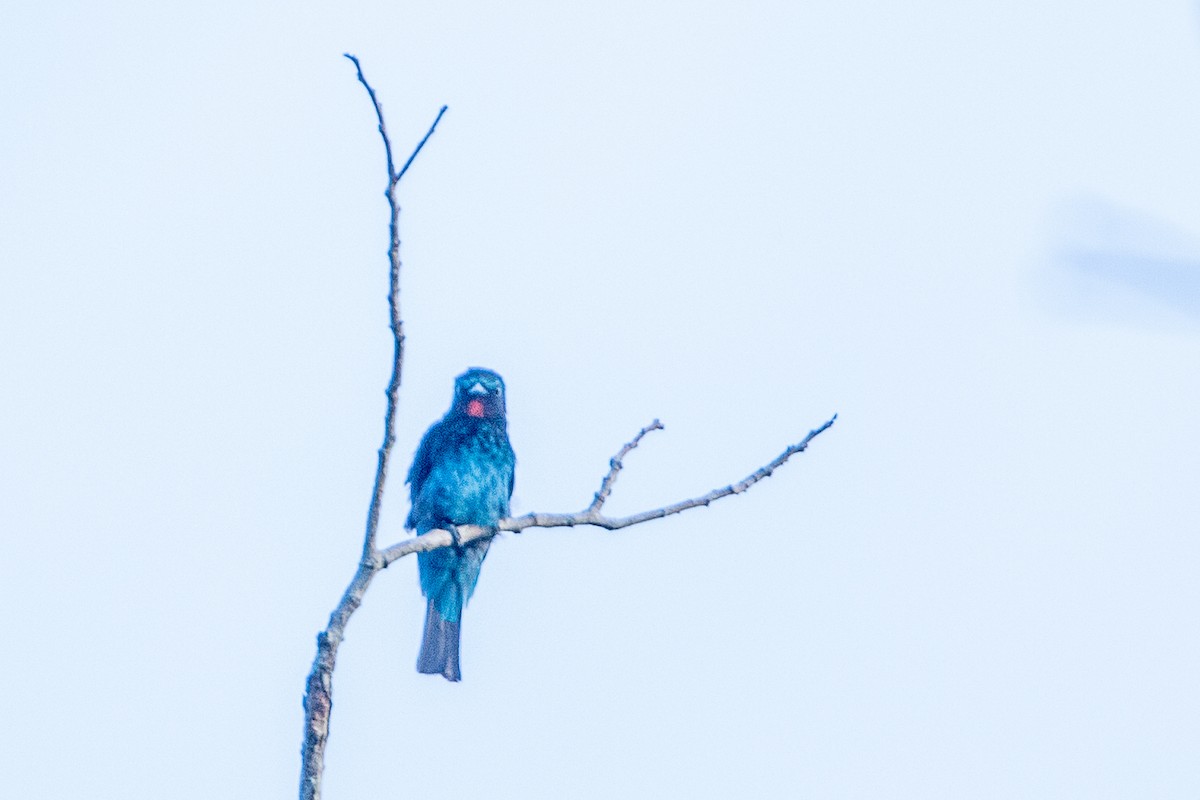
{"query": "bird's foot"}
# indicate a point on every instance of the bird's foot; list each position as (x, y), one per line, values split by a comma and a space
(455, 538)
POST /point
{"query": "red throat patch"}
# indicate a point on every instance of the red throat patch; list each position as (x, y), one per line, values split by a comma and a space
(475, 408)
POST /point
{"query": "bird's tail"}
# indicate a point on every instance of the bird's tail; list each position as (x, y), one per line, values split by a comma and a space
(439, 645)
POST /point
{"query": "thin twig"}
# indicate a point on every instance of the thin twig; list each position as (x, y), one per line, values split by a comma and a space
(591, 515)
(387, 143)
(420, 144)
(617, 462)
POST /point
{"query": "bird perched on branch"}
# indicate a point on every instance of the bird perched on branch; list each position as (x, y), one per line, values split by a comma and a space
(462, 474)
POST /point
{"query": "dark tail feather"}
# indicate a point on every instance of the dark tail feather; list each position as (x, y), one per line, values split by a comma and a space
(439, 646)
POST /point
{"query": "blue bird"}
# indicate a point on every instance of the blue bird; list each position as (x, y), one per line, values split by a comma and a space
(462, 474)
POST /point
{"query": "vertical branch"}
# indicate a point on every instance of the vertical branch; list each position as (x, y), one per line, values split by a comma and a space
(318, 696)
(396, 324)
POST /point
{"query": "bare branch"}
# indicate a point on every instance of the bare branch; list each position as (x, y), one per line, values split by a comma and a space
(387, 143)
(591, 515)
(617, 462)
(318, 697)
(420, 144)
(396, 323)
(318, 693)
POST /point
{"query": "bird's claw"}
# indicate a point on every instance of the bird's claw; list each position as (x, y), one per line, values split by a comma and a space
(455, 537)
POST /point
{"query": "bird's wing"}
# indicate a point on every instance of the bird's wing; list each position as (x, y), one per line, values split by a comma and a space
(512, 475)
(423, 461)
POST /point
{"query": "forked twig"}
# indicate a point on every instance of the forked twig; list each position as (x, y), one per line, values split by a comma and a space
(591, 515)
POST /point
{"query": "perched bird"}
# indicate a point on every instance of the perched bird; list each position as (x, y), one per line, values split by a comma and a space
(462, 474)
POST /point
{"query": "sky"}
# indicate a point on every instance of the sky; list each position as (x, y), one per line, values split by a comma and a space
(968, 229)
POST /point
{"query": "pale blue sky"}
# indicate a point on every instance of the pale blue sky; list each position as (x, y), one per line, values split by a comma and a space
(970, 229)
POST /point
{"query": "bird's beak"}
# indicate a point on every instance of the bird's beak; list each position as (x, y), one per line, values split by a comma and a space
(477, 389)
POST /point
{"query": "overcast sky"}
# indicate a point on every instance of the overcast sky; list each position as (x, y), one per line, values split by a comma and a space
(970, 229)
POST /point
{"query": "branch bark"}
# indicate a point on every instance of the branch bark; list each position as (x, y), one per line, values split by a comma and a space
(318, 697)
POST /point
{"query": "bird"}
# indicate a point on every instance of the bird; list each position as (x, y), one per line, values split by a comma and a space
(461, 474)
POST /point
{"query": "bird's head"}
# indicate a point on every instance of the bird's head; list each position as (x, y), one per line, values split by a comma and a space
(479, 393)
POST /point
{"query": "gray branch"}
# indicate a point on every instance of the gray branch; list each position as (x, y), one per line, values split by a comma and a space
(617, 462)
(591, 515)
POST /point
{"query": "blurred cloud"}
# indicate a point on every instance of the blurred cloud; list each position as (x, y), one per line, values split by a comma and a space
(1118, 264)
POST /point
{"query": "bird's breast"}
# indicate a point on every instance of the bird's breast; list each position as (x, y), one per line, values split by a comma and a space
(468, 485)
